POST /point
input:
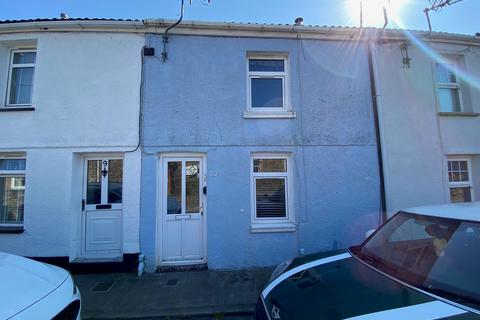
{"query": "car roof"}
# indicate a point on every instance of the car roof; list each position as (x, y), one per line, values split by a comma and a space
(464, 211)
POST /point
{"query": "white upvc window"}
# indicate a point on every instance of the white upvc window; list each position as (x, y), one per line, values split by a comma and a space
(20, 80)
(460, 180)
(271, 193)
(448, 88)
(267, 84)
(12, 190)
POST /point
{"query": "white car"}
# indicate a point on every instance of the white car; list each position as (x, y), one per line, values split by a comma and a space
(35, 290)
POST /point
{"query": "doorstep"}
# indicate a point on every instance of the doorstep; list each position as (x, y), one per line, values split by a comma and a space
(177, 268)
(97, 260)
(126, 263)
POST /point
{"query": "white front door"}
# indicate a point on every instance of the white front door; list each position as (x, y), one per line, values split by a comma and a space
(182, 211)
(102, 207)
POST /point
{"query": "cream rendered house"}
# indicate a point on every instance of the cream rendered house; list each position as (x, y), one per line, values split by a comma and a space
(428, 88)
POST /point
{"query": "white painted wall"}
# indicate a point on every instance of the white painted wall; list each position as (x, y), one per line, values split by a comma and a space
(86, 97)
(415, 138)
(86, 91)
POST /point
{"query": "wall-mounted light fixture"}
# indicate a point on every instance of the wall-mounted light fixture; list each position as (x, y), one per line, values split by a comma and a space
(405, 57)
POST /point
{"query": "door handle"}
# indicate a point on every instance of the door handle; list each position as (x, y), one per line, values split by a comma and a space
(201, 211)
(83, 204)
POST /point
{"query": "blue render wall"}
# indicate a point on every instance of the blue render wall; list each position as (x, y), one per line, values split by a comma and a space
(195, 102)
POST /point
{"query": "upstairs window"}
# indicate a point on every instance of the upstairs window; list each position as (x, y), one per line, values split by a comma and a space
(12, 191)
(459, 180)
(267, 83)
(448, 89)
(20, 82)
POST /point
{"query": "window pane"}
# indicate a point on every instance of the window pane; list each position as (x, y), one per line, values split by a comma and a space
(269, 165)
(21, 86)
(115, 180)
(94, 180)
(267, 92)
(270, 198)
(266, 65)
(11, 199)
(458, 171)
(192, 179)
(174, 192)
(455, 165)
(456, 177)
(445, 75)
(24, 57)
(12, 164)
(464, 176)
(461, 194)
(449, 100)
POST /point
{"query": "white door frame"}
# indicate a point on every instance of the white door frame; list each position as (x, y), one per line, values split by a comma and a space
(160, 205)
(101, 254)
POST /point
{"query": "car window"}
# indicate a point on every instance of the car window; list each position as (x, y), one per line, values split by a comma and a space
(431, 253)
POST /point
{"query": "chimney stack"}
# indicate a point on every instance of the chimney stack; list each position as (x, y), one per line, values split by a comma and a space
(299, 21)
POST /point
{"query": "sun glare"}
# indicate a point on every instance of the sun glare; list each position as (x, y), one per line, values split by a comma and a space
(373, 10)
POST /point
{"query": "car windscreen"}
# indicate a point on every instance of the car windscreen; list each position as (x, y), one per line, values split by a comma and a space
(437, 255)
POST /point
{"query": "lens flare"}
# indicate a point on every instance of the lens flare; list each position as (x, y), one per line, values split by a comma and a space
(470, 79)
(373, 10)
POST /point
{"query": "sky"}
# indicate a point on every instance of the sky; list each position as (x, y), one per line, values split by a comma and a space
(462, 17)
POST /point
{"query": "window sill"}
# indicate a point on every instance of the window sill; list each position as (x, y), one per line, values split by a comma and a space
(272, 227)
(459, 114)
(11, 229)
(11, 109)
(269, 115)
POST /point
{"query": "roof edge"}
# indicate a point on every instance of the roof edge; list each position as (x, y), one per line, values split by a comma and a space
(193, 27)
(57, 25)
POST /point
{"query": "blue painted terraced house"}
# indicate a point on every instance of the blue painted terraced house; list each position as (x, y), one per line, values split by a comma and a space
(258, 144)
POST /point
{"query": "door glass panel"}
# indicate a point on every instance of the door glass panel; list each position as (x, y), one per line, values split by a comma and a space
(174, 188)
(192, 179)
(115, 179)
(94, 180)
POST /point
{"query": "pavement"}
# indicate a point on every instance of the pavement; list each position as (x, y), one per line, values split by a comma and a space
(196, 295)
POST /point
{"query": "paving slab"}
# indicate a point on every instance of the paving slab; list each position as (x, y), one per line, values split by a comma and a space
(211, 294)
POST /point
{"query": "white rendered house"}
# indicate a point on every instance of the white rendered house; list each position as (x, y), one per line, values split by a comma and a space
(69, 148)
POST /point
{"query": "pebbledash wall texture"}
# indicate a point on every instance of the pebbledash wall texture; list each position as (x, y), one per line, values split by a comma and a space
(196, 102)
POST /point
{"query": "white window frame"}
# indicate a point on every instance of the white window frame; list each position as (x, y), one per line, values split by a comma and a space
(14, 174)
(259, 112)
(272, 224)
(10, 74)
(461, 184)
(450, 65)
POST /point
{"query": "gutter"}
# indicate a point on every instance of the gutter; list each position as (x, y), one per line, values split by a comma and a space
(192, 27)
(231, 29)
(73, 25)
